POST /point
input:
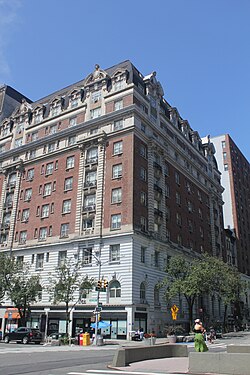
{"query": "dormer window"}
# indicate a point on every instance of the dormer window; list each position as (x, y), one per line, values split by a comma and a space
(55, 110)
(118, 85)
(74, 103)
(38, 118)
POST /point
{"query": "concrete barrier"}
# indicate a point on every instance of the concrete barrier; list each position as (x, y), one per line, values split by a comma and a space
(219, 363)
(124, 356)
(238, 348)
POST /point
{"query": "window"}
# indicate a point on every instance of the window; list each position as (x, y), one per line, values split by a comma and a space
(118, 105)
(190, 206)
(23, 237)
(88, 223)
(64, 230)
(53, 129)
(51, 147)
(167, 191)
(38, 118)
(74, 102)
(96, 96)
(28, 194)
(143, 174)
(118, 85)
(143, 198)
(90, 179)
(39, 261)
(47, 189)
(34, 136)
(54, 110)
(66, 207)
(30, 174)
(156, 296)
(178, 218)
(156, 258)
(200, 214)
(93, 131)
(167, 212)
(115, 289)
(116, 195)
(114, 253)
(117, 148)
(143, 151)
(143, 221)
(118, 125)
(143, 254)
(43, 234)
(62, 256)
(68, 183)
(49, 169)
(70, 162)
(117, 171)
(179, 240)
(89, 202)
(45, 211)
(92, 155)
(143, 128)
(87, 256)
(72, 140)
(225, 167)
(25, 214)
(96, 112)
(72, 121)
(177, 178)
(224, 155)
(178, 198)
(116, 221)
(201, 232)
(142, 292)
(223, 144)
(18, 142)
(168, 234)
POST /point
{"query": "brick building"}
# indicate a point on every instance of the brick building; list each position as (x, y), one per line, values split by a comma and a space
(106, 169)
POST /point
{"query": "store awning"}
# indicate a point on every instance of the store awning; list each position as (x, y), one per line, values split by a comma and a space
(11, 313)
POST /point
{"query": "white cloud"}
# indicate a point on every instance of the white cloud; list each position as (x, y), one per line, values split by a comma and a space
(8, 19)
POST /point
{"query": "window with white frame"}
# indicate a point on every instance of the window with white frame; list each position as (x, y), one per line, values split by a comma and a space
(72, 121)
(117, 171)
(54, 111)
(118, 105)
(88, 223)
(116, 196)
(62, 257)
(96, 112)
(34, 136)
(114, 253)
(45, 211)
(96, 96)
(39, 261)
(74, 102)
(30, 174)
(90, 179)
(70, 162)
(117, 148)
(47, 189)
(43, 232)
(68, 183)
(25, 214)
(177, 178)
(118, 85)
(87, 256)
(49, 169)
(38, 117)
(89, 202)
(92, 155)
(66, 207)
(72, 140)
(144, 224)
(178, 198)
(18, 142)
(53, 129)
(118, 124)
(28, 194)
(116, 221)
(64, 232)
(51, 147)
(143, 198)
(143, 151)
(23, 237)
(32, 154)
(114, 289)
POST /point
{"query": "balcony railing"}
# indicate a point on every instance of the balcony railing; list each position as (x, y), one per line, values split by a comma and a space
(92, 160)
(89, 208)
(90, 183)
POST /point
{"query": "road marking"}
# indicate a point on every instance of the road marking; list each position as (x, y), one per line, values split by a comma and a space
(98, 372)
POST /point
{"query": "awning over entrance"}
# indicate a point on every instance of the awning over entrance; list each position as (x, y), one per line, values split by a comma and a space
(11, 313)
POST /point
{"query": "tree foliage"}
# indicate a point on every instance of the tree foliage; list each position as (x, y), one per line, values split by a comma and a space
(199, 277)
(68, 285)
(18, 285)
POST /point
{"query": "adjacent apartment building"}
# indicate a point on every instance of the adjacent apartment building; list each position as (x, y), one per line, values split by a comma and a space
(106, 169)
(235, 170)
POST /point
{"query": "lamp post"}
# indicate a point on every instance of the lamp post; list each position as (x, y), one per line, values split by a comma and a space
(97, 299)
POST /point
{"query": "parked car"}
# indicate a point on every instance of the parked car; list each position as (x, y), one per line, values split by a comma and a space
(25, 335)
(1, 335)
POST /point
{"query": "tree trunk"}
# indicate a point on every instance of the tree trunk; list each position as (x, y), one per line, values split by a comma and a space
(190, 302)
(224, 319)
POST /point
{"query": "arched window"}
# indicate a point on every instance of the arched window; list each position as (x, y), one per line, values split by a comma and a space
(142, 291)
(114, 289)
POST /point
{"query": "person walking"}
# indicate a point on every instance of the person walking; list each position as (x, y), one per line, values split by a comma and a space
(199, 340)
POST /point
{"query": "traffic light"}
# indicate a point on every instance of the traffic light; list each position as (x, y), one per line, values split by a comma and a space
(105, 284)
(99, 284)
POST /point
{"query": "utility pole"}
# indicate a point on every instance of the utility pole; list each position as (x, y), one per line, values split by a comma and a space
(97, 299)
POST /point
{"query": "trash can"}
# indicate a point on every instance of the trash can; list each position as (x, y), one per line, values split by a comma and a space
(86, 339)
(99, 341)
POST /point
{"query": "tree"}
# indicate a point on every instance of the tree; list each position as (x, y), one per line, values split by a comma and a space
(68, 285)
(201, 276)
(19, 285)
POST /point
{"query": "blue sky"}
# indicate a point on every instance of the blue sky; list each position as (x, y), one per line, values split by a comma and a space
(200, 50)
